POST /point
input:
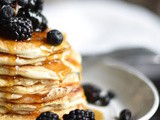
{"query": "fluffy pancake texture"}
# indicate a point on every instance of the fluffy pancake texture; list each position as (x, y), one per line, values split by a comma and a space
(36, 77)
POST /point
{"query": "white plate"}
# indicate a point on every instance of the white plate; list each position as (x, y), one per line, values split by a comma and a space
(133, 90)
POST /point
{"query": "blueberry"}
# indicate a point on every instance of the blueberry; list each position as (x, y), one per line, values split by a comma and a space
(6, 12)
(35, 5)
(54, 37)
(39, 5)
(125, 115)
(111, 94)
(105, 100)
(22, 2)
(31, 3)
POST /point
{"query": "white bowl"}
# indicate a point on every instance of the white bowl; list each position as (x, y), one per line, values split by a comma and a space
(133, 90)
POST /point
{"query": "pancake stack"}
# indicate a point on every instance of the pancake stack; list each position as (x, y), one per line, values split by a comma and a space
(36, 77)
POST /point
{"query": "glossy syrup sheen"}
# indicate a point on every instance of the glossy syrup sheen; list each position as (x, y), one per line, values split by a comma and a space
(38, 41)
(98, 115)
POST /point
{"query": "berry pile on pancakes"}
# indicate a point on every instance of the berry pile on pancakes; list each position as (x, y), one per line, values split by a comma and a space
(39, 70)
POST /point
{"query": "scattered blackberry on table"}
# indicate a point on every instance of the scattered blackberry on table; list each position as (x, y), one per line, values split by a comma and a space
(6, 12)
(125, 115)
(39, 22)
(48, 116)
(92, 93)
(18, 28)
(54, 37)
(79, 115)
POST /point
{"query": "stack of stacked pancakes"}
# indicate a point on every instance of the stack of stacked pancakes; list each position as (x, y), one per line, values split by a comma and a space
(36, 77)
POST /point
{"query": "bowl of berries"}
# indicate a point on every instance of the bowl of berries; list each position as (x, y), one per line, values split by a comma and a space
(118, 91)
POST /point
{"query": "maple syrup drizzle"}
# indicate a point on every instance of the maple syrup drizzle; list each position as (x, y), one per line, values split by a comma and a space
(58, 67)
(39, 40)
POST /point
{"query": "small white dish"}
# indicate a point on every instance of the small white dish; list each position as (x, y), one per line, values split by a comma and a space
(133, 90)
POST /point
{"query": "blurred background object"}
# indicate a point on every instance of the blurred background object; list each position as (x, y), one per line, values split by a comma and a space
(153, 5)
(96, 27)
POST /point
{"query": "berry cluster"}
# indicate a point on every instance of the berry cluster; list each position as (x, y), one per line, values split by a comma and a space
(79, 115)
(93, 95)
(73, 115)
(21, 18)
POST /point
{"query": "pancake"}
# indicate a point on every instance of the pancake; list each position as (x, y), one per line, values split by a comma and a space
(8, 59)
(54, 70)
(34, 116)
(35, 48)
(72, 99)
(37, 97)
(34, 89)
(37, 77)
(38, 89)
(9, 81)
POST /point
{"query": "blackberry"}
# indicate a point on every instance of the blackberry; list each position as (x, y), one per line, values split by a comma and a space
(125, 115)
(54, 37)
(17, 28)
(48, 116)
(39, 22)
(6, 11)
(79, 115)
(92, 93)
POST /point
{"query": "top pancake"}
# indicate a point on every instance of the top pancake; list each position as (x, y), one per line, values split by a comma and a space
(36, 47)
